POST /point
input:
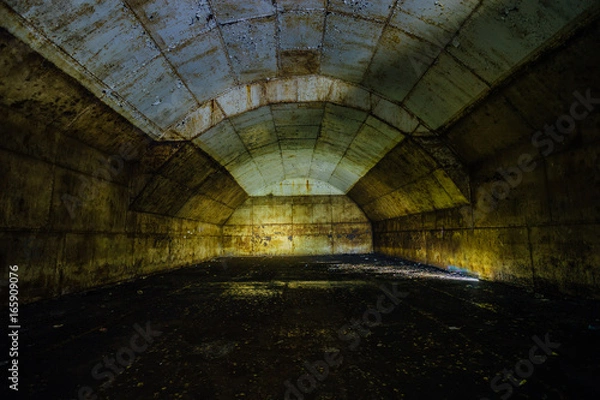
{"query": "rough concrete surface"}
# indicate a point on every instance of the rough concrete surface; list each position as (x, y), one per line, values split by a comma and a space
(240, 328)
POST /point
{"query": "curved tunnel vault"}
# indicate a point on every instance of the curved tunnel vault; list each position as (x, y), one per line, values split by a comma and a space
(157, 125)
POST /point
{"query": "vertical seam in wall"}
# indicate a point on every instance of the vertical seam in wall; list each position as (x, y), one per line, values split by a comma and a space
(57, 270)
(533, 283)
(424, 233)
(330, 235)
(252, 226)
(546, 189)
(126, 231)
(291, 223)
(133, 272)
(47, 224)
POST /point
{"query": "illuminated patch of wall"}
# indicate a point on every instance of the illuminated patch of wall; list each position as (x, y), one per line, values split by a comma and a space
(301, 225)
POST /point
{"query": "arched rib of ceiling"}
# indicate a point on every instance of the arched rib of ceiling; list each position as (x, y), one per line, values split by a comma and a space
(328, 145)
(319, 142)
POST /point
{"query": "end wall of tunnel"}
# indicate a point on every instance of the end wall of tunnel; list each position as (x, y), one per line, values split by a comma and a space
(297, 225)
(89, 200)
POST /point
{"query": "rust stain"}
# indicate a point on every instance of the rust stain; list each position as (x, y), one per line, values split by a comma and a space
(248, 97)
(299, 62)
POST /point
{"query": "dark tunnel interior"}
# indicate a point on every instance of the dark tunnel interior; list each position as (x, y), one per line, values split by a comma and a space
(284, 199)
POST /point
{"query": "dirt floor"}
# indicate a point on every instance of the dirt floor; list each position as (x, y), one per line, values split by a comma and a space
(343, 327)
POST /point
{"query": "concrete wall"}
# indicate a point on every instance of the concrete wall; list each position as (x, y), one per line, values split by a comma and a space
(302, 225)
(535, 218)
(100, 241)
(80, 205)
(544, 235)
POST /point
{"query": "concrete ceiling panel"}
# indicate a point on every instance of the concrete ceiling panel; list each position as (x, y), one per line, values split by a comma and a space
(247, 174)
(388, 132)
(297, 114)
(348, 47)
(301, 30)
(251, 118)
(416, 26)
(93, 34)
(298, 62)
(199, 121)
(252, 48)
(448, 14)
(344, 179)
(346, 94)
(344, 113)
(287, 5)
(271, 150)
(447, 183)
(282, 90)
(189, 167)
(502, 34)
(259, 135)
(172, 25)
(445, 90)
(399, 62)
(202, 63)
(271, 167)
(233, 10)
(300, 187)
(256, 128)
(222, 143)
(376, 9)
(491, 127)
(158, 93)
(242, 98)
(322, 168)
(349, 170)
(297, 144)
(298, 132)
(314, 88)
(396, 116)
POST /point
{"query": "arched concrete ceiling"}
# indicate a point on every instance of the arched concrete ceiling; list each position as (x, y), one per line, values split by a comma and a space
(311, 147)
(301, 97)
